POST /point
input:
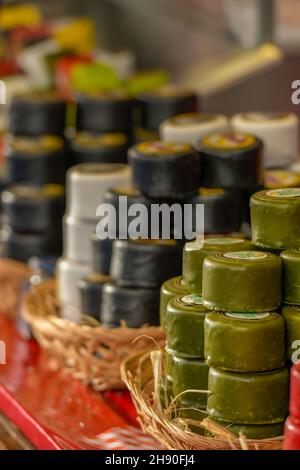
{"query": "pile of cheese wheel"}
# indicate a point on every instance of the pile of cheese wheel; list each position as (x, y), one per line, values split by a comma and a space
(33, 201)
(233, 321)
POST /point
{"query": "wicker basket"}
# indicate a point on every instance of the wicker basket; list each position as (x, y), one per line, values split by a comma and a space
(89, 351)
(140, 372)
(12, 275)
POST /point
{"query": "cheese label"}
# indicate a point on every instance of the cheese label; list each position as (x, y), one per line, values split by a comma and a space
(187, 119)
(284, 193)
(210, 192)
(229, 141)
(247, 316)
(192, 299)
(157, 147)
(223, 241)
(36, 145)
(124, 191)
(88, 140)
(264, 117)
(247, 255)
(278, 179)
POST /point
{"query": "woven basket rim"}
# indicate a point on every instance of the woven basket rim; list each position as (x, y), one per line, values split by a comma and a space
(170, 433)
(89, 350)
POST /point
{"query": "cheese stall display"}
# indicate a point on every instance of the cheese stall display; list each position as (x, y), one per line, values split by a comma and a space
(108, 171)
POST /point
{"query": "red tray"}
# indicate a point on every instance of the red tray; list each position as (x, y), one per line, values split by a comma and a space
(55, 411)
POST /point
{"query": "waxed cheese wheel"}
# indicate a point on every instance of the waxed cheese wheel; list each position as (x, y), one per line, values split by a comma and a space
(90, 289)
(165, 169)
(253, 431)
(280, 179)
(275, 217)
(256, 398)
(291, 276)
(171, 288)
(233, 339)
(133, 306)
(190, 374)
(185, 326)
(165, 389)
(87, 184)
(223, 210)
(278, 131)
(104, 112)
(194, 253)
(189, 128)
(145, 263)
(159, 104)
(242, 281)
(36, 161)
(291, 315)
(35, 114)
(231, 160)
(77, 235)
(86, 147)
(68, 275)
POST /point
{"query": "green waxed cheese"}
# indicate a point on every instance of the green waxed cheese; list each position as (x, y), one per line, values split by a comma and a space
(244, 342)
(185, 326)
(245, 281)
(253, 431)
(275, 218)
(190, 412)
(291, 276)
(171, 288)
(258, 398)
(291, 315)
(190, 374)
(195, 252)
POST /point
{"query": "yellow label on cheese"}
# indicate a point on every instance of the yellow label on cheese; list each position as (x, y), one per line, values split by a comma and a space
(36, 145)
(246, 255)
(157, 147)
(88, 140)
(229, 141)
(210, 192)
(280, 179)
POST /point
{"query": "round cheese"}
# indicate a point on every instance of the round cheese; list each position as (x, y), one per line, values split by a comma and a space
(165, 169)
(291, 276)
(90, 289)
(68, 275)
(257, 398)
(171, 288)
(278, 131)
(185, 326)
(280, 179)
(233, 339)
(190, 374)
(195, 252)
(87, 184)
(190, 128)
(291, 315)
(275, 216)
(77, 238)
(242, 281)
(86, 147)
(231, 160)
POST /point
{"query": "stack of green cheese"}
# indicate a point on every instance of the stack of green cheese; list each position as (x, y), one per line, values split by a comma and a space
(244, 342)
(275, 217)
(187, 372)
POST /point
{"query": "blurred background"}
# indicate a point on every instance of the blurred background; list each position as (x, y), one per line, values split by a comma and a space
(217, 46)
